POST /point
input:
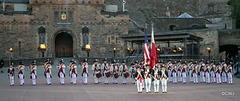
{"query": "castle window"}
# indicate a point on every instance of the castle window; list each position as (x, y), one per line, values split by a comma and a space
(85, 32)
(70, 15)
(172, 27)
(56, 16)
(41, 32)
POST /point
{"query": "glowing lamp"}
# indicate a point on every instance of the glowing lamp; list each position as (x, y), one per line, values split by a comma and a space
(208, 48)
(10, 49)
(174, 51)
(158, 49)
(88, 47)
(42, 46)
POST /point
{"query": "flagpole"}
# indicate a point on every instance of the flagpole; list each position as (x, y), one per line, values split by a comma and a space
(151, 45)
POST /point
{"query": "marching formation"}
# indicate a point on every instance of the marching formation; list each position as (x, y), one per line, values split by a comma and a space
(141, 74)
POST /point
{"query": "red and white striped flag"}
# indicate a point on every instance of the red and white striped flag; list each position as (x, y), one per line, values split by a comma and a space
(146, 51)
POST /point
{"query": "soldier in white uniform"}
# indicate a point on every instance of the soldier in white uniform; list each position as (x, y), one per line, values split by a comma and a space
(164, 78)
(105, 68)
(138, 77)
(132, 70)
(201, 69)
(229, 73)
(184, 72)
(61, 71)
(114, 70)
(174, 72)
(195, 73)
(70, 70)
(179, 73)
(85, 71)
(212, 72)
(20, 68)
(207, 72)
(11, 74)
(169, 65)
(148, 78)
(218, 75)
(142, 67)
(123, 68)
(33, 72)
(74, 73)
(190, 65)
(156, 77)
(96, 68)
(47, 71)
(224, 72)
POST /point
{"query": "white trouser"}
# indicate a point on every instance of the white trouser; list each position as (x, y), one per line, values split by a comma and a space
(184, 77)
(202, 78)
(114, 79)
(96, 79)
(11, 78)
(156, 85)
(70, 73)
(174, 77)
(48, 79)
(218, 78)
(34, 79)
(139, 86)
(213, 77)
(143, 83)
(133, 79)
(85, 78)
(123, 79)
(105, 78)
(164, 85)
(61, 78)
(179, 76)
(21, 79)
(207, 74)
(224, 77)
(169, 75)
(148, 84)
(74, 78)
(195, 78)
(190, 76)
(230, 78)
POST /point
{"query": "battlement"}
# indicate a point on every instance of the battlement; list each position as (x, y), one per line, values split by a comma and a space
(94, 2)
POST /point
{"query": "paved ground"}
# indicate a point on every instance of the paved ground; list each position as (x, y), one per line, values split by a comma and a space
(110, 92)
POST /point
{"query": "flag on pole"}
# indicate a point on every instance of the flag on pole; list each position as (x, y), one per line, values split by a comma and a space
(146, 51)
(153, 55)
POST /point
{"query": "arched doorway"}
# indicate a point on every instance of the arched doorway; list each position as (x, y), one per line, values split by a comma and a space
(231, 50)
(64, 45)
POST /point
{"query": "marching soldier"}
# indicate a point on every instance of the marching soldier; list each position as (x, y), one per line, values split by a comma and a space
(229, 72)
(201, 67)
(123, 69)
(212, 71)
(114, 70)
(224, 73)
(164, 78)
(207, 72)
(190, 65)
(184, 74)
(169, 65)
(85, 71)
(61, 71)
(142, 67)
(138, 77)
(47, 72)
(174, 72)
(218, 76)
(70, 70)
(179, 73)
(132, 70)
(74, 73)
(156, 76)
(20, 68)
(11, 74)
(148, 79)
(96, 68)
(195, 73)
(33, 72)
(105, 67)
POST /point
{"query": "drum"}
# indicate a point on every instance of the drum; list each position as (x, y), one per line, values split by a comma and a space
(126, 74)
(98, 74)
(116, 75)
(108, 74)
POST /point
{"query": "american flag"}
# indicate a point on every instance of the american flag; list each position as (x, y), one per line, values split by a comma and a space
(146, 51)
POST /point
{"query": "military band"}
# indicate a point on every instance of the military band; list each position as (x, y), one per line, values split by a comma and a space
(139, 74)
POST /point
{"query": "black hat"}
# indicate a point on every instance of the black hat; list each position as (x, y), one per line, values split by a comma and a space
(136, 61)
(141, 63)
(169, 60)
(105, 59)
(84, 60)
(96, 60)
(207, 62)
(74, 62)
(191, 60)
(175, 62)
(137, 66)
(163, 65)
(132, 63)
(21, 63)
(147, 65)
(179, 61)
(11, 64)
(195, 62)
(47, 60)
(114, 61)
(124, 61)
(184, 62)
